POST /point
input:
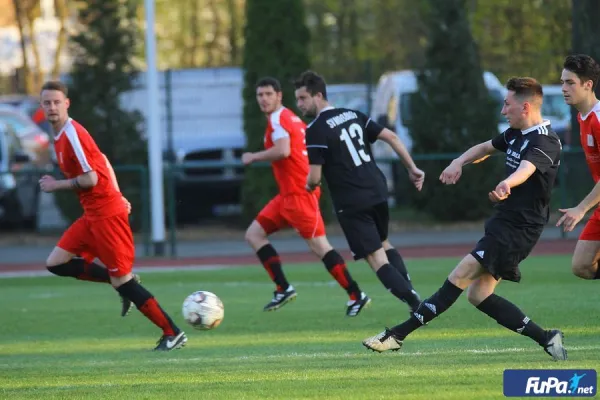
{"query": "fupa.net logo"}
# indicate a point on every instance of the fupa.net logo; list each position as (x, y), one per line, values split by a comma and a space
(550, 383)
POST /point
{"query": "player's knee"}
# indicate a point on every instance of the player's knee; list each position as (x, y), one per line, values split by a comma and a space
(320, 246)
(584, 271)
(255, 235)
(250, 236)
(475, 295)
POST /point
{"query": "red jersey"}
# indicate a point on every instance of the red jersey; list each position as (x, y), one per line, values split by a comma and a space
(291, 172)
(77, 153)
(589, 131)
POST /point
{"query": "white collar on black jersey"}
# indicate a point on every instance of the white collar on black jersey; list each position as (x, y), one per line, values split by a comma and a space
(543, 126)
(325, 109)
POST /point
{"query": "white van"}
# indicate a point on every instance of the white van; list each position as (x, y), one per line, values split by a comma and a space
(391, 108)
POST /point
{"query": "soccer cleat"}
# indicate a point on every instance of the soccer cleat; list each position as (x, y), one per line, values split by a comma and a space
(168, 343)
(356, 306)
(280, 299)
(126, 304)
(383, 342)
(554, 345)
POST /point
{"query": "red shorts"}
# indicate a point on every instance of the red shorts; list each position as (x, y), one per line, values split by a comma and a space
(108, 239)
(300, 211)
(591, 231)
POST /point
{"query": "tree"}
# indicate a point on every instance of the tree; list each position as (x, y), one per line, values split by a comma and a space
(103, 69)
(277, 46)
(585, 40)
(526, 38)
(451, 112)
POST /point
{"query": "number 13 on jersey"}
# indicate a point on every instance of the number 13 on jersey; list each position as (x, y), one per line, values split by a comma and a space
(358, 155)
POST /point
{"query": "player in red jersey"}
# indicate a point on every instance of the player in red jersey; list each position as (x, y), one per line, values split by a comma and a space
(103, 231)
(579, 79)
(294, 206)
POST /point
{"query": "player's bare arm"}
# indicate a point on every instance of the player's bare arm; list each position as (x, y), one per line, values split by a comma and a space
(281, 149)
(452, 173)
(417, 176)
(502, 191)
(572, 216)
(314, 177)
(82, 182)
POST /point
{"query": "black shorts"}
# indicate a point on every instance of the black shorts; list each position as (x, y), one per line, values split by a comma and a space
(504, 246)
(365, 229)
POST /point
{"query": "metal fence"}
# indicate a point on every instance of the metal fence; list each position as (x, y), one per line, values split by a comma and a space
(573, 183)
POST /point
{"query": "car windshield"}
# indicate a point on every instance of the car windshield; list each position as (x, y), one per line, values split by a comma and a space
(554, 106)
(406, 98)
(354, 100)
(18, 124)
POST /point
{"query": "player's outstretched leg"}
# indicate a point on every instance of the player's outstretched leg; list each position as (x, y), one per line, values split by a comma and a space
(172, 337)
(79, 269)
(461, 277)
(508, 315)
(392, 339)
(336, 266)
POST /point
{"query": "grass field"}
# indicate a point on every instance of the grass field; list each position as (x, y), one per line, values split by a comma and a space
(63, 339)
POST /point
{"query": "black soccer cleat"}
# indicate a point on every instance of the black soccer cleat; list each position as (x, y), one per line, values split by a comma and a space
(554, 346)
(356, 306)
(126, 304)
(280, 299)
(168, 343)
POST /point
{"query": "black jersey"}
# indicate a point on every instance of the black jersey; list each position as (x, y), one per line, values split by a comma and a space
(340, 140)
(528, 203)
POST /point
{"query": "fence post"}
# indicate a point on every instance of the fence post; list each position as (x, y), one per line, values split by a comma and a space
(172, 207)
(169, 113)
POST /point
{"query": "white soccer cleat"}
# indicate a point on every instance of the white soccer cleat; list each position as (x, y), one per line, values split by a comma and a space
(383, 342)
(555, 346)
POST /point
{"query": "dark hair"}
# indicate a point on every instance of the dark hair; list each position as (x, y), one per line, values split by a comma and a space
(56, 85)
(313, 82)
(269, 81)
(585, 67)
(525, 87)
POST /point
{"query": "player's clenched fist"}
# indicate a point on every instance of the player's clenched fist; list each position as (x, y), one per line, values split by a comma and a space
(501, 192)
(127, 205)
(47, 183)
(452, 173)
(247, 158)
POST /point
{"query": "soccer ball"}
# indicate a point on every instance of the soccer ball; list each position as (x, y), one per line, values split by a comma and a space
(203, 310)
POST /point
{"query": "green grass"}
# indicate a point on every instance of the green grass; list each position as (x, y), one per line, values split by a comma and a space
(63, 339)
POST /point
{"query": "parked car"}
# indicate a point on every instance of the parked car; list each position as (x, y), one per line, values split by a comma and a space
(558, 112)
(30, 106)
(392, 108)
(33, 139)
(19, 189)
